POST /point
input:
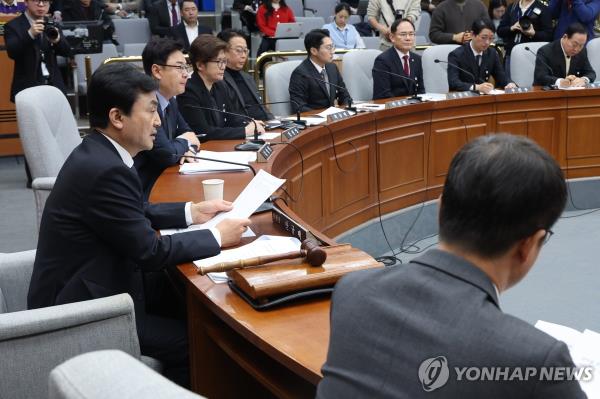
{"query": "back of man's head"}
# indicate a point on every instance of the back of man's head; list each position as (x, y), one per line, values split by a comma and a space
(115, 85)
(157, 51)
(499, 190)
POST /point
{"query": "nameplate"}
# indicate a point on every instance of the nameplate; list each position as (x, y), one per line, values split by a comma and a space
(518, 90)
(264, 153)
(594, 85)
(401, 103)
(290, 133)
(338, 116)
(288, 224)
(461, 94)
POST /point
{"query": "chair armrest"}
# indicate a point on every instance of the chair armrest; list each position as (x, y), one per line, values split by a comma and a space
(43, 183)
(15, 274)
(111, 374)
(42, 186)
(33, 342)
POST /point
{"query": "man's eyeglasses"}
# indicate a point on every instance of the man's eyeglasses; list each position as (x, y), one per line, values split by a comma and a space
(42, 2)
(329, 47)
(406, 34)
(241, 50)
(549, 233)
(220, 63)
(183, 68)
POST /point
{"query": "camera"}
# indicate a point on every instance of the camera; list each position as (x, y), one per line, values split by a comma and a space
(398, 14)
(50, 29)
(525, 23)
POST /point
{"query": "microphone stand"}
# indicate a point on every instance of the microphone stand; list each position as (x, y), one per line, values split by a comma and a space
(415, 97)
(178, 157)
(547, 87)
(437, 61)
(349, 107)
(298, 107)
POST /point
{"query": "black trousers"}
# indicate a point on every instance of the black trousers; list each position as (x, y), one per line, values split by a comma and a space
(267, 44)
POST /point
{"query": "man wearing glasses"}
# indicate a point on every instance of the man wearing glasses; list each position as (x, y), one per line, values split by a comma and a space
(313, 83)
(164, 61)
(564, 62)
(398, 60)
(34, 50)
(240, 81)
(478, 62)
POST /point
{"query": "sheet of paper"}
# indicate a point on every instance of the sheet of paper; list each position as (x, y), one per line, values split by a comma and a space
(203, 166)
(255, 193)
(329, 111)
(433, 97)
(269, 136)
(369, 107)
(571, 88)
(496, 91)
(310, 120)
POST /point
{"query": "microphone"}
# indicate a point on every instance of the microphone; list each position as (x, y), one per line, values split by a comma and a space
(298, 106)
(437, 61)
(177, 157)
(249, 145)
(415, 82)
(349, 107)
(548, 87)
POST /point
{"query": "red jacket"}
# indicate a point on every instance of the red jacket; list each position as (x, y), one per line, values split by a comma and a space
(268, 25)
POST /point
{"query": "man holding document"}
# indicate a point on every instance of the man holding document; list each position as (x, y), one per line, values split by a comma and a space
(98, 236)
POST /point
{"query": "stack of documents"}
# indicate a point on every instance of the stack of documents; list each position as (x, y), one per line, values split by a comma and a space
(203, 166)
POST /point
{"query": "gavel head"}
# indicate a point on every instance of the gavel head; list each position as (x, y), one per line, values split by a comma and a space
(315, 255)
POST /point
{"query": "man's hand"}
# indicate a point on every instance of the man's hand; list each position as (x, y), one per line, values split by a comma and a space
(260, 127)
(516, 26)
(191, 138)
(564, 82)
(187, 157)
(37, 28)
(231, 231)
(484, 87)
(204, 211)
(529, 32)
(511, 85)
(462, 37)
(578, 82)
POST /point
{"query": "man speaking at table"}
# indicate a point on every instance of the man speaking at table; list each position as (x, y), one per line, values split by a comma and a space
(404, 331)
(97, 236)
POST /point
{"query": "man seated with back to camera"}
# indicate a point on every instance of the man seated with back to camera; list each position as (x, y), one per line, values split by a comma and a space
(34, 49)
(164, 61)
(98, 237)
(401, 61)
(564, 62)
(307, 88)
(239, 81)
(502, 195)
(481, 62)
(207, 89)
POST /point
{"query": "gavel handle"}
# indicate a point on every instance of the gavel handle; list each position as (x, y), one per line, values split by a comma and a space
(243, 263)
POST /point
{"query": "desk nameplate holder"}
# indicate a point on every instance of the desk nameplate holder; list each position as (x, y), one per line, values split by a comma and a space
(264, 153)
(593, 85)
(338, 116)
(461, 94)
(518, 90)
(400, 103)
(289, 134)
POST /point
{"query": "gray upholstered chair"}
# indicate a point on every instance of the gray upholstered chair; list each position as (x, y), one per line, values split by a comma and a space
(435, 76)
(319, 8)
(111, 374)
(593, 52)
(33, 342)
(371, 42)
(109, 50)
(131, 30)
(357, 73)
(276, 88)
(48, 133)
(310, 23)
(422, 28)
(522, 63)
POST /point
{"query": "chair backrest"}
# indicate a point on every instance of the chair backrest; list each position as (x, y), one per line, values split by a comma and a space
(15, 274)
(310, 23)
(435, 76)
(131, 30)
(297, 7)
(321, 8)
(593, 52)
(277, 78)
(130, 49)
(109, 50)
(371, 42)
(357, 73)
(47, 128)
(111, 374)
(422, 25)
(522, 63)
(289, 44)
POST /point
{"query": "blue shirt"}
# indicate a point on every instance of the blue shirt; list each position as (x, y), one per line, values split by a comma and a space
(347, 38)
(15, 8)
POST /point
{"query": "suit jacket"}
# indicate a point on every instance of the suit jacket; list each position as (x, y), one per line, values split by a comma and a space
(216, 125)
(257, 111)
(28, 54)
(552, 55)
(97, 235)
(385, 323)
(385, 86)
(159, 20)
(167, 148)
(464, 58)
(178, 33)
(309, 93)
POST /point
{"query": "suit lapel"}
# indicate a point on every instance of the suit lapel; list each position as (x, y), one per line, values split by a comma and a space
(229, 79)
(313, 72)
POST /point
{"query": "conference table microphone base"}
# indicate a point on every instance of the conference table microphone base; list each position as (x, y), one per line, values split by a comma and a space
(250, 145)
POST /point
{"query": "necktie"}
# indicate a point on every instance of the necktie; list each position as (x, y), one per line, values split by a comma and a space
(174, 20)
(478, 60)
(166, 115)
(324, 77)
(405, 65)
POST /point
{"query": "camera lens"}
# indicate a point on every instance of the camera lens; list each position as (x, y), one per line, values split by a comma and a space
(525, 23)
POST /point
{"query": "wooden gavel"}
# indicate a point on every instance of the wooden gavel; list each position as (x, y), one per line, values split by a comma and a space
(310, 249)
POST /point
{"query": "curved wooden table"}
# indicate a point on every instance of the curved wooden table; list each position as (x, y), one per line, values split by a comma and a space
(396, 156)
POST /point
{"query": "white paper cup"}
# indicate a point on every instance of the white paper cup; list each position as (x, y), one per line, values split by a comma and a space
(213, 189)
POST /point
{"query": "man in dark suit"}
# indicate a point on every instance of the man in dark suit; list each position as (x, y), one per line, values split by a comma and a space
(241, 82)
(307, 88)
(98, 237)
(163, 16)
(398, 60)
(164, 61)
(564, 62)
(479, 60)
(33, 51)
(407, 331)
(189, 28)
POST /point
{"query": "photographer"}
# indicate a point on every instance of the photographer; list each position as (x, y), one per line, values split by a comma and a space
(381, 15)
(89, 10)
(525, 21)
(33, 44)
